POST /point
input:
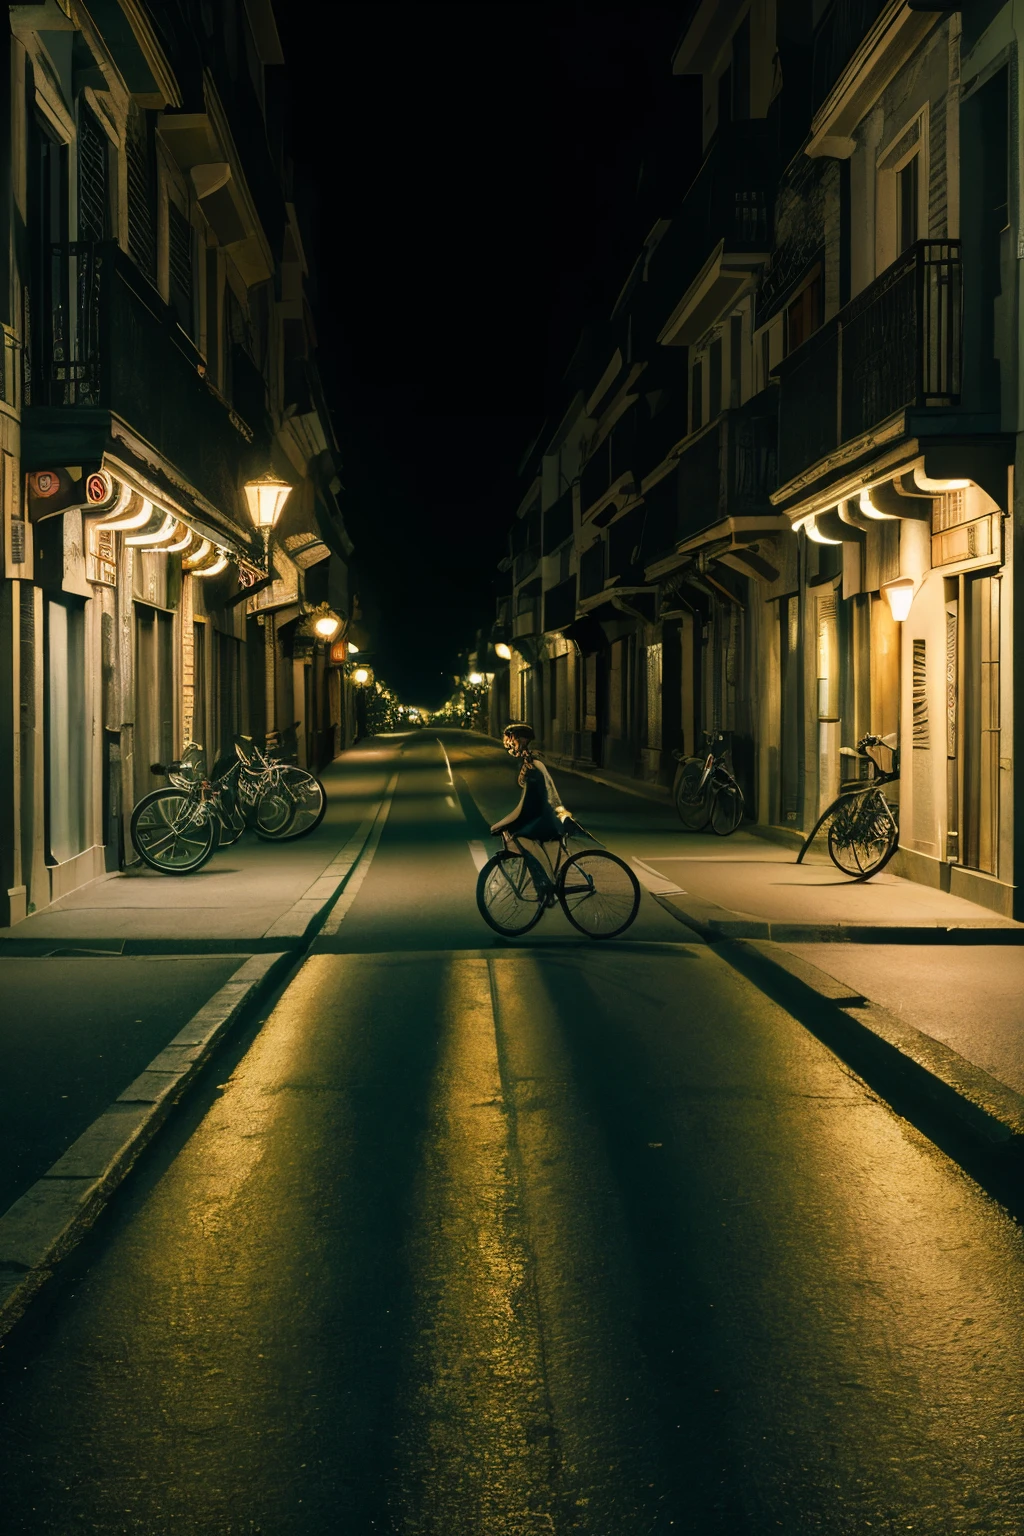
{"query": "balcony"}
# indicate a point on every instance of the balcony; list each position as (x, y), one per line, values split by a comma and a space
(592, 568)
(610, 469)
(727, 470)
(558, 522)
(896, 346)
(103, 345)
(525, 620)
(722, 231)
(524, 564)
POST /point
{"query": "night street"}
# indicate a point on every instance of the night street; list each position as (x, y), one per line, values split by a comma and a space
(472, 1236)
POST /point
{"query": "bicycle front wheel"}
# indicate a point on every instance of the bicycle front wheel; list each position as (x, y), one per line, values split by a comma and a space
(293, 807)
(727, 809)
(691, 799)
(862, 838)
(172, 832)
(599, 894)
(506, 895)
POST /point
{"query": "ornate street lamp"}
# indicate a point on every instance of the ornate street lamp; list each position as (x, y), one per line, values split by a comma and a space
(265, 499)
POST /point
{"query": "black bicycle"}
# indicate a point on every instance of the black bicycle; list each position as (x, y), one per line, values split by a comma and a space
(705, 790)
(863, 829)
(176, 829)
(597, 891)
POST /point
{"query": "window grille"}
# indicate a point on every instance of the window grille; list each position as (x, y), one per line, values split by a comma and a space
(921, 735)
(179, 262)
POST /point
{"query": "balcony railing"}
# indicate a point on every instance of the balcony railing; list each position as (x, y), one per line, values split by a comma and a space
(592, 567)
(614, 457)
(524, 564)
(99, 336)
(730, 200)
(558, 522)
(897, 345)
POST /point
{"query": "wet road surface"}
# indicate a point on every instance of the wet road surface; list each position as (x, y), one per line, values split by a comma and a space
(548, 1237)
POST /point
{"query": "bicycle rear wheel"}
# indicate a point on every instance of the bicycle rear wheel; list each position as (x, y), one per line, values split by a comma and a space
(862, 838)
(726, 809)
(506, 895)
(599, 894)
(172, 833)
(293, 807)
(691, 801)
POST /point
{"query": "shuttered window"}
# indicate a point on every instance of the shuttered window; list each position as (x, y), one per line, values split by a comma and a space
(93, 185)
(179, 265)
(141, 210)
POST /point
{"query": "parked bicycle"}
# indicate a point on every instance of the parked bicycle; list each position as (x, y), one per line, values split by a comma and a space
(176, 829)
(863, 829)
(596, 890)
(705, 790)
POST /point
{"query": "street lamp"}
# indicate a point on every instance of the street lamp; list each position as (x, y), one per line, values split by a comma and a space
(475, 679)
(327, 627)
(361, 676)
(503, 651)
(265, 498)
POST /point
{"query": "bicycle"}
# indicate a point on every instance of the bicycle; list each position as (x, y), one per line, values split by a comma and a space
(863, 831)
(175, 830)
(705, 790)
(597, 891)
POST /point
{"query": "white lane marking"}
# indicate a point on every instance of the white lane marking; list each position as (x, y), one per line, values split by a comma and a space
(478, 853)
(655, 882)
(343, 905)
(447, 764)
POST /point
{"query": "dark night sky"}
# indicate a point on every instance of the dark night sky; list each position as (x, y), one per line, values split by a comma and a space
(471, 180)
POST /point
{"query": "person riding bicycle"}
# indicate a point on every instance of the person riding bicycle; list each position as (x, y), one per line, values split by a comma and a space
(540, 817)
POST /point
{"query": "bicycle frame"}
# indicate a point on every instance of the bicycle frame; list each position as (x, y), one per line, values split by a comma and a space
(848, 791)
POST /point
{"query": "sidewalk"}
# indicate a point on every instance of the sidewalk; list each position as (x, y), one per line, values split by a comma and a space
(252, 897)
(112, 1000)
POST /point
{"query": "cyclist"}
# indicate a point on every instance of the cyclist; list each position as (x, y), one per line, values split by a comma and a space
(540, 817)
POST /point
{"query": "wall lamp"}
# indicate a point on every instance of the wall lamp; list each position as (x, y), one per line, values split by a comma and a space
(265, 499)
(900, 596)
(503, 651)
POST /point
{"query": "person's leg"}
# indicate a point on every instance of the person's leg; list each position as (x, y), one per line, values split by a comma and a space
(533, 855)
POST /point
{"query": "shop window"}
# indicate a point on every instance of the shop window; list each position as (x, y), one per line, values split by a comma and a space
(66, 733)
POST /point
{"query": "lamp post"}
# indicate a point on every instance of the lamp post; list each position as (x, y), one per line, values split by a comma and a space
(265, 499)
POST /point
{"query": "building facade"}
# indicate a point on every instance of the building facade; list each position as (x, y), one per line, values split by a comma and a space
(780, 502)
(157, 359)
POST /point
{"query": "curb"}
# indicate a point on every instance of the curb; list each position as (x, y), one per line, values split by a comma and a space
(51, 1217)
(714, 922)
(884, 1046)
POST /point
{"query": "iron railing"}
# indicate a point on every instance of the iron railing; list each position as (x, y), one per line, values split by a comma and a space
(836, 37)
(897, 345)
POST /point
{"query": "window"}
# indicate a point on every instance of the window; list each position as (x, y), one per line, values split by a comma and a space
(93, 179)
(179, 267)
(906, 204)
(735, 360)
(696, 396)
(141, 181)
(803, 315)
(741, 71)
(715, 379)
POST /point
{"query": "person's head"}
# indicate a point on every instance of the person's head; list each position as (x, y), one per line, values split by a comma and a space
(517, 738)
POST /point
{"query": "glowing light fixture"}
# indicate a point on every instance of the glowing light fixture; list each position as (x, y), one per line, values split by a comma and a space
(360, 676)
(475, 679)
(353, 649)
(137, 520)
(163, 533)
(197, 555)
(869, 509)
(327, 626)
(214, 569)
(174, 549)
(815, 535)
(503, 651)
(936, 487)
(266, 498)
(900, 596)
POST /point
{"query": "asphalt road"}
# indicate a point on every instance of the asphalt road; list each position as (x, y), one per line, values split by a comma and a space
(482, 1239)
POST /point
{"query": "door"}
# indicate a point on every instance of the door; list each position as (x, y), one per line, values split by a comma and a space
(791, 778)
(154, 693)
(981, 723)
(67, 735)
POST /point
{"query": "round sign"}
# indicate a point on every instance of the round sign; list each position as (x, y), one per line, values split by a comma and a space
(98, 488)
(46, 482)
